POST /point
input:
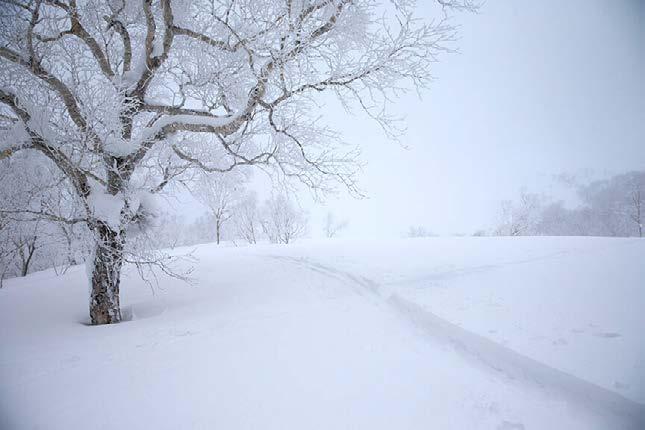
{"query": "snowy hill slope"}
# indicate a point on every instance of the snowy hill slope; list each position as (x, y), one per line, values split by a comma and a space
(446, 333)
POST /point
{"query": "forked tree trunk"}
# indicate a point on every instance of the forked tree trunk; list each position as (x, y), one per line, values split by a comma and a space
(27, 254)
(106, 276)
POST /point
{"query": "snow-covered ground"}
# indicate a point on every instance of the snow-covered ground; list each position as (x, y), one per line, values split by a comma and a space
(441, 333)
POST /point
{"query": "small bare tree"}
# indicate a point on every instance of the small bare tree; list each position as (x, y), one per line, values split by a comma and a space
(29, 239)
(24, 247)
(281, 221)
(418, 231)
(220, 194)
(520, 218)
(246, 218)
(333, 226)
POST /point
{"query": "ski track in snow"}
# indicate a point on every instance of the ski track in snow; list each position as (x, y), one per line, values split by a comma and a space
(486, 354)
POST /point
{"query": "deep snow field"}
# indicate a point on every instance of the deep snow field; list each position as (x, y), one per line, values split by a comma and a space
(437, 333)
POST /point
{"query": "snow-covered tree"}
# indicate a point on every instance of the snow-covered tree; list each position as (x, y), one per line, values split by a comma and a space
(418, 231)
(636, 198)
(520, 218)
(333, 226)
(282, 221)
(124, 96)
(220, 193)
(246, 218)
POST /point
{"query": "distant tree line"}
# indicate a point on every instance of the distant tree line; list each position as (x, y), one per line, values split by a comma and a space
(611, 207)
(235, 215)
(32, 235)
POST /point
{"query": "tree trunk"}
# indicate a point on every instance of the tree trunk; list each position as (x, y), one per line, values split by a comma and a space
(26, 252)
(217, 230)
(106, 276)
(31, 248)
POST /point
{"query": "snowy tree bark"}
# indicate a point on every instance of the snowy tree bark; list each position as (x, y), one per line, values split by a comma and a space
(106, 276)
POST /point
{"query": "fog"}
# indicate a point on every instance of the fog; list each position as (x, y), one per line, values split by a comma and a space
(537, 89)
(183, 173)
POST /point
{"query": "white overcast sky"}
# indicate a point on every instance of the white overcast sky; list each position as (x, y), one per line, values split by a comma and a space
(539, 88)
